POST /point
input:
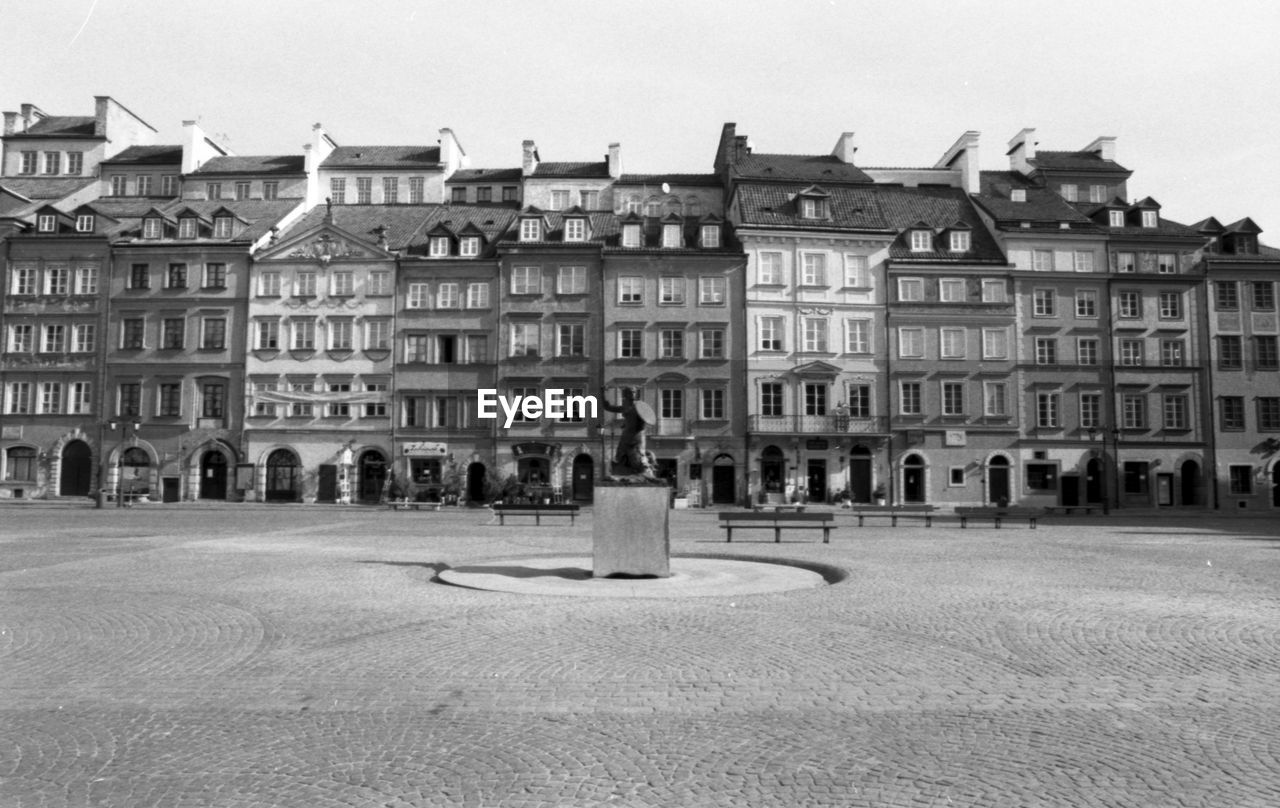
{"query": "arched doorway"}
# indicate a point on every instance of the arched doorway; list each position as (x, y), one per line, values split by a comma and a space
(135, 473)
(860, 475)
(475, 482)
(213, 475)
(724, 482)
(913, 479)
(1093, 484)
(76, 469)
(1190, 482)
(372, 468)
(584, 472)
(998, 490)
(772, 471)
(283, 477)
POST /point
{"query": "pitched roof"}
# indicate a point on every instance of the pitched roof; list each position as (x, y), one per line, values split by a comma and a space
(260, 215)
(45, 188)
(1076, 161)
(383, 157)
(773, 205)
(147, 155)
(579, 170)
(938, 209)
(1041, 206)
(61, 126)
(670, 179)
(603, 226)
(810, 167)
(486, 175)
(651, 231)
(491, 220)
(264, 164)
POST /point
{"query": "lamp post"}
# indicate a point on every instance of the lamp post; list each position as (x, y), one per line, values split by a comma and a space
(123, 424)
(1102, 470)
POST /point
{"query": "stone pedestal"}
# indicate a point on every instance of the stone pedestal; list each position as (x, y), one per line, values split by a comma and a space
(631, 531)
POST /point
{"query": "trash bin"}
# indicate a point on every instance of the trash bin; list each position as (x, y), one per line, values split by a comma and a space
(102, 498)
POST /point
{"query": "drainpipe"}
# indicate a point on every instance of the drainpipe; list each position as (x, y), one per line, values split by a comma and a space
(1206, 407)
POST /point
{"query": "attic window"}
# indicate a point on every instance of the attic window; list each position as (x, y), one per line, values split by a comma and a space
(960, 241)
(1117, 218)
(1149, 218)
(45, 223)
(710, 236)
(84, 223)
(151, 228)
(469, 247)
(1243, 244)
(813, 207)
(440, 247)
(222, 227)
(1018, 195)
(187, 227)
(921, 241)
(631, 235)
(530, 230)
(575, 229)
(671, 235)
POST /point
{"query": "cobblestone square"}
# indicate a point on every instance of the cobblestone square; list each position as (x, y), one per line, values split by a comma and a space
(253, 656)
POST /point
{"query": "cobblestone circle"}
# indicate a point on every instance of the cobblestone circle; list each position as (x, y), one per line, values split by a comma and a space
(255, 656)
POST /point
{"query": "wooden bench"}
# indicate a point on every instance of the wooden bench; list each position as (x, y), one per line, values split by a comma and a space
(409, 504)
(503, 510)
(1070, 509)
(800, 521)
(896, 513)
(997, 515)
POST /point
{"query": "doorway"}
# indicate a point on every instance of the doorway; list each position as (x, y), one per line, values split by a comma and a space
(327, 484)
(998, 481)
(584, 474)
(1093, 487)
(913, 479)
(283, 475)
(817, 478)
(772, 470)
(1190, 482)
(213, 475)
(76, 473)
(475, 482)
(724, 483)
(373, 476)
(860, 475)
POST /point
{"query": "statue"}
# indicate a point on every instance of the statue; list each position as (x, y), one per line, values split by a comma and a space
(631, 461)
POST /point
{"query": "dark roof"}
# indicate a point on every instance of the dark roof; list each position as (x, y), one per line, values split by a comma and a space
(266, 164)
(260, 215)
(670, 179)
(383, 157)
(124, 207)
(1076, 161)
(651, 235)
(1245, 225)
(1209, 225)
(486, 175)
(1042, 205)
(940, 210)
(813, 168)
(603, 226)
(45, 188)
(491, 220)
(61, 126)
(581, 170)
(773, 205)
(147, 155)
(407, 225)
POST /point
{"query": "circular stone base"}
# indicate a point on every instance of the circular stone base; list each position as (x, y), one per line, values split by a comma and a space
(691, 577)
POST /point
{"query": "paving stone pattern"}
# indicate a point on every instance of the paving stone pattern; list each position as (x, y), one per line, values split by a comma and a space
(261, 656)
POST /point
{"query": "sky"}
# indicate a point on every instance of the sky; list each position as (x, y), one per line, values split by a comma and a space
(1189, 89)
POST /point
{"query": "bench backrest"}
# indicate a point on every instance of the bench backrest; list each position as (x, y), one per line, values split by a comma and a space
(753, 516)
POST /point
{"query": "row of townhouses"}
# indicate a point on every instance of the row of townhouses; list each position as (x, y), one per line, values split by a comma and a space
(182, 323)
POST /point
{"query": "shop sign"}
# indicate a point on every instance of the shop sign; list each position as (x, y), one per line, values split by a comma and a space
(424, 449)
(955, 437)
(816, 444)
(522, 449)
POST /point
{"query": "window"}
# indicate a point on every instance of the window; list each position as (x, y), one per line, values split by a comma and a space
(1172, 353)
(1087, 350)
(630, 343)
(29, 161)
(377, 335)
(995, 343)
(169, 185)
(269, 284)
(1083, 261)
(575, 229)
(1264, 296)
(478, 295)
(1047, 410)
(1129, 305)
(130, 399)
(417, 295)
(671, 403)
(152, 228)
(1166, 263)
(1149, 218)
(711, 404)
(1086, 304)
(469, 246)
(770, 268)
(172, 333)
(711, 343)
(446, 349)
(1126, 262)
(859, 405)
(213, 190)
(857, 336)
(953, 398)
(458, 195)
(448, 296)
(55, 339)
(1232, 413)
(304, 335)
(1097, 193)
(270, 190)
(267, 335)
(530, 229)
(17, 400)
(671, 343)
(341, 334)
(1042, 477)
(364, 190)
(1071, 193)
(909, 399)
(1175, 411)
(1042, 260)
(1046, 351)
(140, 276)
(589, 200)
(375, 409)
(951, 343)
(84, 223)
(951, 290)
(1170, 306)
(814, 269)
(338, 190)
(1133, 411)
(439, 247)
(261, 407)
(1042, 302)
(910, 289)
(671, 291)
(1115, 218)
(1227, 295)
(339, 409)
(378, 283)
(1230, 352)
(911, 343)
(631, 235)
(1131, 352)
(52, 162)
(1269, 413)
(21, 463)
(510, 193)
(343, 283)
(390, 190)
(1241, 480)
(921, 240)
(771, 333)
(187, 227)
(771, 399)
(415, 348)
(215, 276)
(81, 395)
(630, 290)
(213, 334)
(994, 291)
(24, 281)
(119, 185)
(815, 334)
(571, 339)
(21, 338)
(416, 186)
(1135, 477)
(242, 189)
(86, 280)
(709, 236)
(170, 399)
(559, 199)
(83, 337)
(57, 280)
(131, 331)
(176, 277)
(960, 240)
(526, 339)
(477, 348)
(446, 412)
(301, 409)
(526, 280)
(47, 223)
(712, 291)
(1264, 353)
(1091, 410)
(75, 162)
(571, 281)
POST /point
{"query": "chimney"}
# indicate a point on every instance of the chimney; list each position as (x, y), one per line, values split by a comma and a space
(615, 160)
(1022, 149)
(1104, 147)
(845, 149)
(530, 161)
(31, 115)
(10, 122)
(963, 158)
(101, 109)
(452, 155)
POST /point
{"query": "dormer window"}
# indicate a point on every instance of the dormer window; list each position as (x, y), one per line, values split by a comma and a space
(671, 236)
(187, 227)
(222, 227)
(710, 236)
(631, 235)
(530, 230)
(152, 227)
(469, 247)
(46, 223)
(1018, 195)
(921, 241)
(1149, 218)
(439, 246)
(84, 223)
(575, 229)
(813, 207)
(960, 241)
(1116, 218)
(1242, 244)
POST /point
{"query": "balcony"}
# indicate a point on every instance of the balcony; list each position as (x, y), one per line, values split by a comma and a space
(819, 424)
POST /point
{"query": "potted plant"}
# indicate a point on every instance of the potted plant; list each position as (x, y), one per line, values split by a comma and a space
(878, 494)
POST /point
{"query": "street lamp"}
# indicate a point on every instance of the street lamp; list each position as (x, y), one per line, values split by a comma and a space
(1102, 469)
(123, 424)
